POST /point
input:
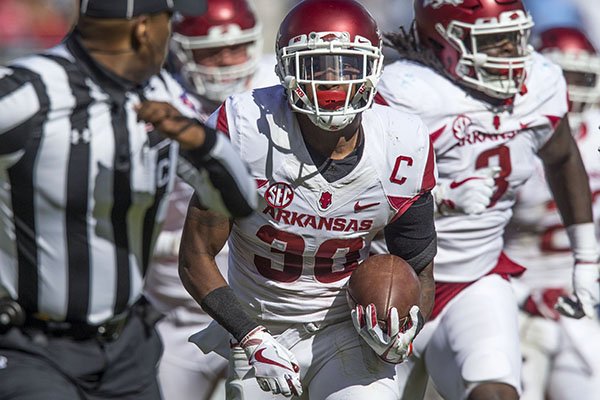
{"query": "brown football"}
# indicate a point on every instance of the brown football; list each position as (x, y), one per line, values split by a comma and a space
(386, 281)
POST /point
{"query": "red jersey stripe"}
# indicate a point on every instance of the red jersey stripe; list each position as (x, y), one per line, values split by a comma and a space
(222, 124)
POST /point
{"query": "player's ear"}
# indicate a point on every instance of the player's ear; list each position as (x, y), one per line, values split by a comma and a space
(139, 32)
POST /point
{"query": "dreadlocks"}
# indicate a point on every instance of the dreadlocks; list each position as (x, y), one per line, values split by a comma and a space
(408, 47)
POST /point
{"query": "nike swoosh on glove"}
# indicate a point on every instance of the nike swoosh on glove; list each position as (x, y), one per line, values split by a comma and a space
(393, 346)
(275, 367)
(470, 194)
(586, 293)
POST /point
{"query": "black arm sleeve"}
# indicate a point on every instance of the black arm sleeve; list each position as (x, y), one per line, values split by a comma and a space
(231, 188)
(412, 236)
(223, 306)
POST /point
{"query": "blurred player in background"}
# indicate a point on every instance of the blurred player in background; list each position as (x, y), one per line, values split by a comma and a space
(332, 171)
(214, 55)
(30, 25)
(560, 362)
(492, 105)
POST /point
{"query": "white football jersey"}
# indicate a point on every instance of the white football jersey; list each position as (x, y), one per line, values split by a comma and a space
(536, 238)
(469, 134)
(290, 260)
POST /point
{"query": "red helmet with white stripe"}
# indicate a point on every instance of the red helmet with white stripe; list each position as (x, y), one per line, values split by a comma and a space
(329, 59)
(571, 49)
(481, 43)
(228, 24)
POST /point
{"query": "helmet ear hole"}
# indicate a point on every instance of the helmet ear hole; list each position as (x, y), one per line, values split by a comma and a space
(458, 32)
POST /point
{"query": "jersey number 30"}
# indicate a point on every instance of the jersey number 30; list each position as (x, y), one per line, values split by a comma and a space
(335, 259)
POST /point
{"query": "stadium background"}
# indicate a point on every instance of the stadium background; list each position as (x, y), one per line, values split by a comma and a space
(27, 25)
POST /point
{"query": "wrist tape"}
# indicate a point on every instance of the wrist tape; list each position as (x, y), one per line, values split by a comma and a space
(582, 238)
(223, 306)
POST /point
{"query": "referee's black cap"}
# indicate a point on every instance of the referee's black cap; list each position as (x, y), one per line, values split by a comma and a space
(128, 9)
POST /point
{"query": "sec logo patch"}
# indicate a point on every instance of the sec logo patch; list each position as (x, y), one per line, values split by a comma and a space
(279, 195)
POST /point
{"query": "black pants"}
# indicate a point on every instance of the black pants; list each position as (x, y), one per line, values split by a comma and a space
(35, 366)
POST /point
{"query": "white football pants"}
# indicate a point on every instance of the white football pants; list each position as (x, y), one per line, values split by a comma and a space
(475, 339)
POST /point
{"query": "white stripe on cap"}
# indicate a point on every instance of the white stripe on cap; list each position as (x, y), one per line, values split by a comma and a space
(129, 14)
(84, 6)
(170, 4)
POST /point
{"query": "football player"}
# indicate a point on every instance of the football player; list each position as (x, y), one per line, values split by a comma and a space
(492, 106)
(332, 171)
(214, 55)
(559, 363)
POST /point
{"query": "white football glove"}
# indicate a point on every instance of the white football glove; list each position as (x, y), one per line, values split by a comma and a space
(467, 194)
(586, 292)
(275, 367)
(392, 346)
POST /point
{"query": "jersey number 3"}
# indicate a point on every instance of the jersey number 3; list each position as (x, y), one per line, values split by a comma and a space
(501, 157)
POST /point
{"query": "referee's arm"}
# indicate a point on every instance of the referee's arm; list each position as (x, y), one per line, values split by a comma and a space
(208, 161)
(19, 104)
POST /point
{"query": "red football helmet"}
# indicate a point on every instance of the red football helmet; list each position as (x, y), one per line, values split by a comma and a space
(329, 59)
(571, 49)
(462, 34)
(225, 23)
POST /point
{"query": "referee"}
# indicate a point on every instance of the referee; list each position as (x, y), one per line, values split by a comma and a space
(92, 134)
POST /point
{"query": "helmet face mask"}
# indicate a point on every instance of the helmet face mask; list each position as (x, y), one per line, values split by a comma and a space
(228, 26)
(482, 44)
(500, 76)
(583, 86)
(330, 76)
(330, 80)
(216, 82)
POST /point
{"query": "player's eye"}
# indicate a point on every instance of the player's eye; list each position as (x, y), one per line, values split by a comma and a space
(333, 67)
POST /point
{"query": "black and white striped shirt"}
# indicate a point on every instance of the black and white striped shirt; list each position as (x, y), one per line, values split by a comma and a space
(84, 185)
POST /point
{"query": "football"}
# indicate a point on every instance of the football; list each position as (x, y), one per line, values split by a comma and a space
(386, 281)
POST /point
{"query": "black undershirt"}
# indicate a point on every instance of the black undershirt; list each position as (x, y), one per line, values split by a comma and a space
(333, 170)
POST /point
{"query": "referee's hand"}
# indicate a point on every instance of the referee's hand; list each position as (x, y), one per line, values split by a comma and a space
(167, 119)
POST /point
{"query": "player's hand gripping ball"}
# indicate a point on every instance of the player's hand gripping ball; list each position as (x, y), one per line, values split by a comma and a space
(384, 293)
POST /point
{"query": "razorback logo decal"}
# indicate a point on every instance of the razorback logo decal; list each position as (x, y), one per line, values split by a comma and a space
(330, 37)
(325, 201)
